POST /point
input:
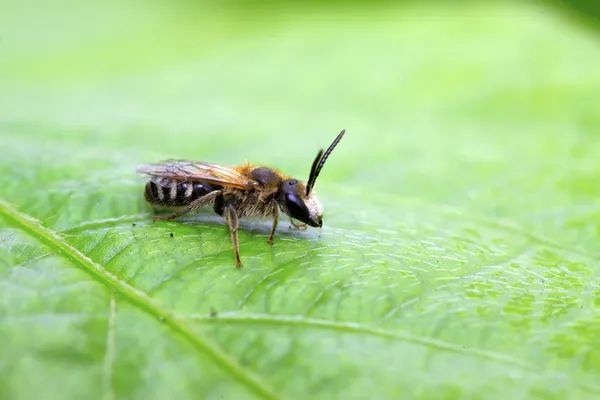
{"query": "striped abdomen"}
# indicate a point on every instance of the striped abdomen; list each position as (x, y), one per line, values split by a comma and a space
(174, 194)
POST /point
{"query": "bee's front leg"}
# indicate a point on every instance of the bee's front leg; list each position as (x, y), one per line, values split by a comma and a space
(301, 226)
(275, 221)
(233, 222)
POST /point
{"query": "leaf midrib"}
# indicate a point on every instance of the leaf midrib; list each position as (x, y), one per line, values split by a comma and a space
(27, 223)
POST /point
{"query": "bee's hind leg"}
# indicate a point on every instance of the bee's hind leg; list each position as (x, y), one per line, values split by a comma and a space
(275, 221)
(194, 205)
(233, 222)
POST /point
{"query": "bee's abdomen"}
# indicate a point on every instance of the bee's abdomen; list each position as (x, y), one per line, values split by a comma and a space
(174, 194)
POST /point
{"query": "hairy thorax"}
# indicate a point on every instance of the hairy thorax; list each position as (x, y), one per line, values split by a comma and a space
(249, 204)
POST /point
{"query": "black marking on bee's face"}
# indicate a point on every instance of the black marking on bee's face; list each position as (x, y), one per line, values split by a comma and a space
(293, 203)
(298, 209)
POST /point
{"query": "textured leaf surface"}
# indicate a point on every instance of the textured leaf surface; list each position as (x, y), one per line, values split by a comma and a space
(459, 256)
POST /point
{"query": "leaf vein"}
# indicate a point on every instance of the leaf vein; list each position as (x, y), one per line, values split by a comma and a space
(353, 327)
(140, 299)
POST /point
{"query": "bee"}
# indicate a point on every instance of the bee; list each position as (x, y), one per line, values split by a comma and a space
(240, 191)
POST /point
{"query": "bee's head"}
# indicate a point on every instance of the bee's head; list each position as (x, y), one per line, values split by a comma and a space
(298, 200)
(295, 203)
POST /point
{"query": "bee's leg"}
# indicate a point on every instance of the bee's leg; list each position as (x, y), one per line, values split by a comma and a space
(301, 226)
(194, 205)
(275, 221)
(218, 206)
(232, 220)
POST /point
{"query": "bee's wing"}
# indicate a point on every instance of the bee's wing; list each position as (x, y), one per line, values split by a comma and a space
(190, 171)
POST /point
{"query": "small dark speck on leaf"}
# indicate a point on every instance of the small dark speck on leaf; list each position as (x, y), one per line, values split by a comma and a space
(213, 313)
(171, 234)
(133, 224)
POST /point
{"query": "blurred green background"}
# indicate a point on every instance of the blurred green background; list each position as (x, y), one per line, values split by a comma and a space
(459, 257)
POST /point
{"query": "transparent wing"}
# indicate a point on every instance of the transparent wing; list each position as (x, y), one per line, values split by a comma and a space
(190, 171)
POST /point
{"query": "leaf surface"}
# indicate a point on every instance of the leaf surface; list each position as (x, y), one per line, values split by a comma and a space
(459, 256)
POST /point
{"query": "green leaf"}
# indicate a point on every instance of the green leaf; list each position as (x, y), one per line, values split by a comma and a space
(459, 256)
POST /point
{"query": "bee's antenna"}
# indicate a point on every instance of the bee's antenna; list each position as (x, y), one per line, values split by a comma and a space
(320, 161)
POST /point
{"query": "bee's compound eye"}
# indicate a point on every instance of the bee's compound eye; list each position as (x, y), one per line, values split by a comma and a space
(297, 209)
